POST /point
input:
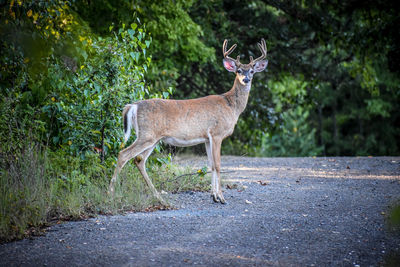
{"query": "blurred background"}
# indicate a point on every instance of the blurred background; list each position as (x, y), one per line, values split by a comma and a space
(331, 87)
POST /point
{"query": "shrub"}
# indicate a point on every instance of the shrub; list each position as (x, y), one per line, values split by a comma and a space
(295, 138)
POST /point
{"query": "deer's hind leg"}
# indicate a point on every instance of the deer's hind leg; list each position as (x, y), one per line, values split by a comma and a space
(140, 162)
(138, 147)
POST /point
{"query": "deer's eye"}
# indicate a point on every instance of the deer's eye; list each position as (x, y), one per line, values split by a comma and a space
(239, 71)
(252, 71)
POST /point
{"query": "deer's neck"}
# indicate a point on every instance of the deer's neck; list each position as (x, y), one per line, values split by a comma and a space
(237, 97)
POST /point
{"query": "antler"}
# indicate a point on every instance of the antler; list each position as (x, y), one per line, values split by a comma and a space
(226, 53)
(263, 48)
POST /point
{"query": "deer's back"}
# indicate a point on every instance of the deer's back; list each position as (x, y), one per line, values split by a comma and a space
(185, 119)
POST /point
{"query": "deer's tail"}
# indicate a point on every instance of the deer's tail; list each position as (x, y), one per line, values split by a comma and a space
(129, 115)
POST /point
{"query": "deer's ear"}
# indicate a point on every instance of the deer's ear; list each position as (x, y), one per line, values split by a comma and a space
(229, 64)
(260, 65)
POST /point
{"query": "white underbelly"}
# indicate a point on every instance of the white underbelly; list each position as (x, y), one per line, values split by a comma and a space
(180, 142)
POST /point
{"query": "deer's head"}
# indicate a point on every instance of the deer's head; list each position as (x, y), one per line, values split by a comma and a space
(245, 72)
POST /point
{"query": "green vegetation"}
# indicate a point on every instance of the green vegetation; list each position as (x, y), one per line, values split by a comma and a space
(332, 88)
(42, 186)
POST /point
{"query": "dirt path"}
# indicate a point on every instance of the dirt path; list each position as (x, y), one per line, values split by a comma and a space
(304, 212)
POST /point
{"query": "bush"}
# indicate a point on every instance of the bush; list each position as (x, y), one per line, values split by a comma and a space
(87, 104)
(295, 138)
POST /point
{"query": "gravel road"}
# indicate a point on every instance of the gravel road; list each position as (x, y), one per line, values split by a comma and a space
(304, 212)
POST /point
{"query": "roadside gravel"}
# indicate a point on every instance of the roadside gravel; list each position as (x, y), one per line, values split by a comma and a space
(280, 212)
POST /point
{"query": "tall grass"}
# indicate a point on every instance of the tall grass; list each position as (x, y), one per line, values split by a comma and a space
(40, 186)
(23, 194)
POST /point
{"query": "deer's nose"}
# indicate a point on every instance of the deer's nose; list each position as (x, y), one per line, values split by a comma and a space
(246, 80)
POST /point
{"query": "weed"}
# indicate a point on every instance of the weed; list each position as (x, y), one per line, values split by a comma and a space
(40, 186)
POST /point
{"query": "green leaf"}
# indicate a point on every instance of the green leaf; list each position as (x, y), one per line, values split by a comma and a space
(134, 26)
(131, 33)
(84, 54)
(134, 55)
(97, 87)
(108, 145)
(56, 139)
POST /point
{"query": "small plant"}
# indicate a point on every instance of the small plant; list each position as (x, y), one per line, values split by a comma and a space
(183, 179)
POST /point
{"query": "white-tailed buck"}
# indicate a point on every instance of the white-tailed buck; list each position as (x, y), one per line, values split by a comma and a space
(190, 122)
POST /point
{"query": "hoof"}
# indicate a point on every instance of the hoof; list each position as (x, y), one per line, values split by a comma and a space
(215, 198)
(221, 198)
(218, 198)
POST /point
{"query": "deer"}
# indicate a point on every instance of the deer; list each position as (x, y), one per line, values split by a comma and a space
(208, 120)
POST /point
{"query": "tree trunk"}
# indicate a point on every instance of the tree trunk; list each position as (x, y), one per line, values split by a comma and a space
(335, 132)
(319, 131)
(102, 138)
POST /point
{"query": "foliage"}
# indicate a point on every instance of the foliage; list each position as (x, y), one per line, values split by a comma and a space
(69, 79)
(87, 104)
(177, 39)
(295, 139)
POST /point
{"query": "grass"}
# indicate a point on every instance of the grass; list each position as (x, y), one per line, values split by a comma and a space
(40, 187)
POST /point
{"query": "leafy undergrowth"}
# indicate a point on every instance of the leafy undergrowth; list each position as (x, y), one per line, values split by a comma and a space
(40, 187)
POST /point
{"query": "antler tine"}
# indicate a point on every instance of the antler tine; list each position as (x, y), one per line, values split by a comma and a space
(226, 53)
(263, 48)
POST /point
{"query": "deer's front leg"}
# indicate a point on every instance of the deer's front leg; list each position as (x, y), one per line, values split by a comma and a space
(215, 147)
(210, 164)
